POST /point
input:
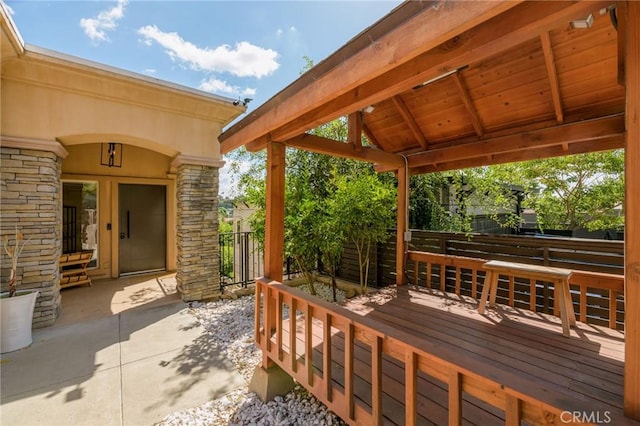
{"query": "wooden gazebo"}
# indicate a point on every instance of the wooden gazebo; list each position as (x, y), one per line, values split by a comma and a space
(441, 85)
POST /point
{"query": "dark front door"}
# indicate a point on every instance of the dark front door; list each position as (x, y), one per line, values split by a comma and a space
(143, 227)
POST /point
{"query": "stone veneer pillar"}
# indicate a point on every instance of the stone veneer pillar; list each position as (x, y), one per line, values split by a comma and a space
(198, 265)
(30, 189)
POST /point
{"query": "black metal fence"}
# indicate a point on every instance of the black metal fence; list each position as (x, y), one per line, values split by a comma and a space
(242, 260)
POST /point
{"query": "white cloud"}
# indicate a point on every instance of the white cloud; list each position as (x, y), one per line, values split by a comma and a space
(95, 28)
(150, 71)
(215, 85)
(244, 60)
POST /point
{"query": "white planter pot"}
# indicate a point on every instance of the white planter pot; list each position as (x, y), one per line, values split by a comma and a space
(16, 314)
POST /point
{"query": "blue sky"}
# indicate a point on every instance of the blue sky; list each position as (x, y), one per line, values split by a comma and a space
(236, 49)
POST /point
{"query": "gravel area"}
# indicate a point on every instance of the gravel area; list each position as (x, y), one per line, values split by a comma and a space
(230, 324)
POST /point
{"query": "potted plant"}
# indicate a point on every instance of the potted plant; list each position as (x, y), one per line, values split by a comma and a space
(16, 307)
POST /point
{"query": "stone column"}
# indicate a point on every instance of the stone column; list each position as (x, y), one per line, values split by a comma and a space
(198, 265)
(30, 190)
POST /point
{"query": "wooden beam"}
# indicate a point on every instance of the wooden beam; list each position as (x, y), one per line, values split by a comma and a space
(559, 150)
(568, 133)
(466, 100)
(429, 27)
(402, 225)
(369, 134)
(550, 64)
(621, 14)
(409, 121)
(503, 32)
(274, 212)
(632, 214)
(354, 124)
(339, 149)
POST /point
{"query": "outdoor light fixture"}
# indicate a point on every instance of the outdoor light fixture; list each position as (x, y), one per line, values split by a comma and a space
(583, 23)
(440, 77)
(111, 154)
(369, 109)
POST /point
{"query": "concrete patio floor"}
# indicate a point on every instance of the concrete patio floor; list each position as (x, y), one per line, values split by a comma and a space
(123, 352)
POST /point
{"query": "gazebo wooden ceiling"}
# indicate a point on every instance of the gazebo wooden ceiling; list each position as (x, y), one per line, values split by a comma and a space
(456, 84)
(447, 94)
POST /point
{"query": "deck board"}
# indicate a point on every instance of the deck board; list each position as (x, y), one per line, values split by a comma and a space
(586, 367)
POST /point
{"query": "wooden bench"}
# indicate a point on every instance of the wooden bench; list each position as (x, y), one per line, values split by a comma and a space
(558, 276)
(73, 268)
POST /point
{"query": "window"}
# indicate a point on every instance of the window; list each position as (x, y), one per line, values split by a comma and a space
(80, 218)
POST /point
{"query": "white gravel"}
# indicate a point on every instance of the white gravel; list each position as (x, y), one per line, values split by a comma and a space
(230, 324)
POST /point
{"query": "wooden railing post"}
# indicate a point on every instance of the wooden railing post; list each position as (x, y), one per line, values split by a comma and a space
(401, 278)
(630, 28)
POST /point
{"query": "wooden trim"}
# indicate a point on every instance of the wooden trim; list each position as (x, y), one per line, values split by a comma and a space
(621, 14)
(410, 121)
(550, 65)
(274, 212)
(322, 145)
(632, 212)
(468, 104)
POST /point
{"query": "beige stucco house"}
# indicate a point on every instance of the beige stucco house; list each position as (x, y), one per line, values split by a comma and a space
(101, 159)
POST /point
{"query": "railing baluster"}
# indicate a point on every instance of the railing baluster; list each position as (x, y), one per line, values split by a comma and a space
(428, 274)
(410, 387)
(348, 369)
(455, 398)
(376, 381)
(532, 295)
(416, 272)
(512, 290)
(513, 410)
(268, 326)
(293, 326)
(613, 308)
(279, 324)
(326, 361)
(443, 276)
(308, 344)
(583, 303)
(474, 283)
(457, 281)
(256, 317)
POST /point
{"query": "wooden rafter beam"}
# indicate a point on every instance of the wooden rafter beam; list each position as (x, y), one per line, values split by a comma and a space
(487, 149)
(621, 17)
(354, 123)
(339, 149)
(337, 92)
(369, 134)
(600, 144)
(409, 121)
(550, 64)
(466, 100)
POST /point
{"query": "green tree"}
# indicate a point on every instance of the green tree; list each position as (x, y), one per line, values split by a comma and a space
(577, 191)
(361, 205)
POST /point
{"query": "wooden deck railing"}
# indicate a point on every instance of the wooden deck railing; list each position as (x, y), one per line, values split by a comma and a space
(589, 290)
(523, 400)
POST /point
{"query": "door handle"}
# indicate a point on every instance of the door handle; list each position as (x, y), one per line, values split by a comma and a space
(128, 225)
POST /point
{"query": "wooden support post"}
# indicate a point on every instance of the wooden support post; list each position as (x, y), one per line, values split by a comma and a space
(402, 226)
(274, 223)
(632, 213)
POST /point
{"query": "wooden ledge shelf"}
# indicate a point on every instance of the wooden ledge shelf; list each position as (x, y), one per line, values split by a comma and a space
(73, 269)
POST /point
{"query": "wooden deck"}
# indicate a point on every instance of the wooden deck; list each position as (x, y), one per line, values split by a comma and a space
(521, 350)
